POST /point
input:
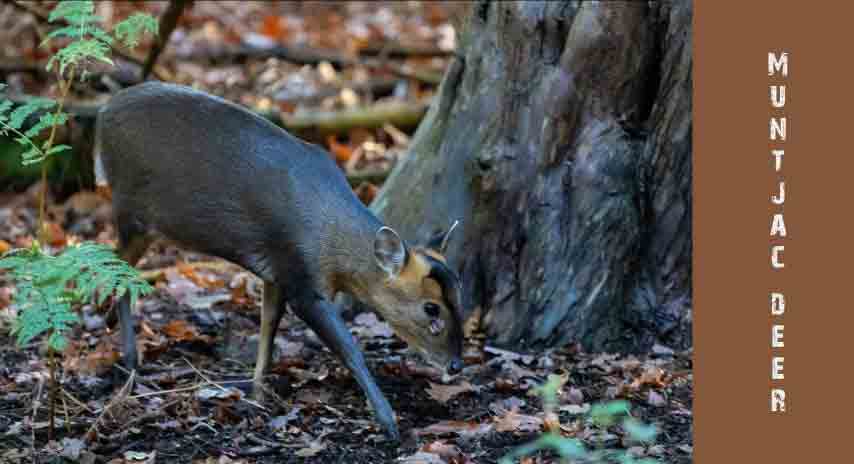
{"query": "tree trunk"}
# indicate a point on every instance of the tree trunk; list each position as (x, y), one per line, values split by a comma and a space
(561, 138)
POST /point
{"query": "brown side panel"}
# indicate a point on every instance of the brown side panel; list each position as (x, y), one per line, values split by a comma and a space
(735, 178)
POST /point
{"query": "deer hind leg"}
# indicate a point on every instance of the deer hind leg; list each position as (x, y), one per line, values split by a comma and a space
(133, 241)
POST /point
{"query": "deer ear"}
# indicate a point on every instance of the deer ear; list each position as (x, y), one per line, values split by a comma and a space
(389, 251)
(439, 242)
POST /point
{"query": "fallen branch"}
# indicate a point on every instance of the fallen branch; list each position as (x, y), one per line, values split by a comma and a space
(380, 87)
(296, 55)
(374, 176)
(307, 56)
(404, 115)
(397, 50)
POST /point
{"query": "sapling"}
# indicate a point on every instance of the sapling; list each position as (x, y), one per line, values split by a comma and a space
(49, 286)
(574, 450)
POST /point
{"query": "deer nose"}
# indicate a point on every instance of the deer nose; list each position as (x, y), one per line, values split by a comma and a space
(455, 366)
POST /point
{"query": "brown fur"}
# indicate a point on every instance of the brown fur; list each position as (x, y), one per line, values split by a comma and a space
(402, 306)
(413, 279)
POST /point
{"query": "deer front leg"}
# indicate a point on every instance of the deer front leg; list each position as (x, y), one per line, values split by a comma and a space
(272, 309)
(323, 318)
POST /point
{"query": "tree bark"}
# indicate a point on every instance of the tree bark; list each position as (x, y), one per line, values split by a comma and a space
(561, 138)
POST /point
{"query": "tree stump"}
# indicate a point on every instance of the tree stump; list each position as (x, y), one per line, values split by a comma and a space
(561, 138)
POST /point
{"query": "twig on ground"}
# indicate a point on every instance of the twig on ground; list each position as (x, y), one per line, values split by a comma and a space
(36, 403)
(208, 380)
(119, 398)
(260, 441)
(75, 400)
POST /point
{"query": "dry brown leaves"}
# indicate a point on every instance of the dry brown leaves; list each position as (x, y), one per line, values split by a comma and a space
(444, 393)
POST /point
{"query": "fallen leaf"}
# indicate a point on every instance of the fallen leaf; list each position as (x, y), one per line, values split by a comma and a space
(517, 372)
(181, 330)
(575, 409)
(341, 151)
(205, 281)
(422, 457)
(573, 396)
(509, 355)
(507, 404)
(312, 449)
(55, 234)
(444, 393)
(464, 429)
(139, 457)
(662, 350)
(72, 447)
(348, 97)
(366, 192)
(512, 421)
(209, 393)
(652, 375)
(327, 72)
(100, 360)
(313, 396)
(448, 452)
(655, 399)
(280, 423)
(273, 27)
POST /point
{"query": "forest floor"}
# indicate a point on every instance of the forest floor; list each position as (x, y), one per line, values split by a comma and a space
(197, 333)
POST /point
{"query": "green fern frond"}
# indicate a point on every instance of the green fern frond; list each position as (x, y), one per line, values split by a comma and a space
(78, 52)
(130, 30)
(73, 11)
(45, 121)
(20, 114)
(47, 287)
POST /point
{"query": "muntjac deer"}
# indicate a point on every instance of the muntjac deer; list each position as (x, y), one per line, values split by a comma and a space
(216, 178)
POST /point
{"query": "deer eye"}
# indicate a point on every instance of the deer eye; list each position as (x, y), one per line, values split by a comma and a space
(432, 309)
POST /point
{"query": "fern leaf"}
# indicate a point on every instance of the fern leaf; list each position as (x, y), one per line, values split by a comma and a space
(101, 35)
(5, 106)
(21, 113)
(32, 155)
(45, 121)
(73, 32)
(130, 30)
(57, 149)
(71, 10)
(78, 52)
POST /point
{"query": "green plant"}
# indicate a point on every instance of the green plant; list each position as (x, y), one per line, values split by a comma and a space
(601, 416)
(48, 287)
